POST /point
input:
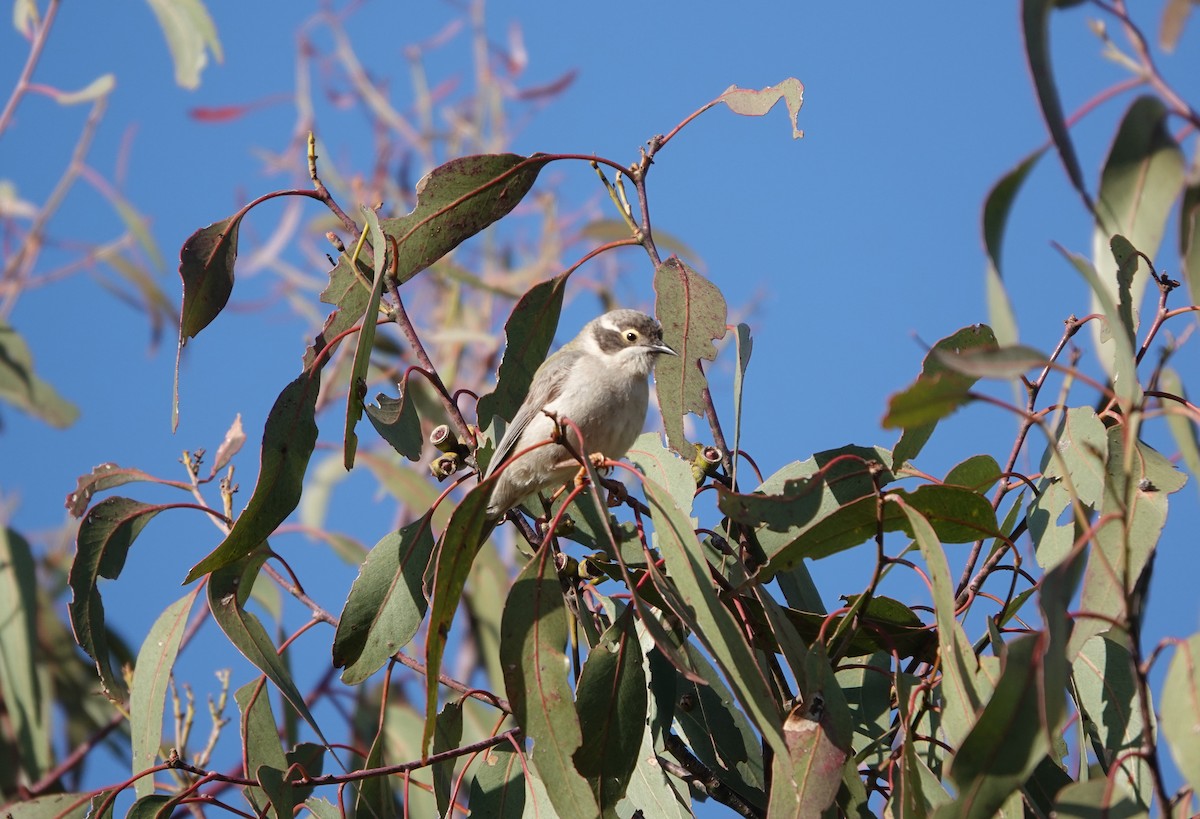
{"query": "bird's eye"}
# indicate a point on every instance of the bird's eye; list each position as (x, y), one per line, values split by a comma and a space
(631, 336)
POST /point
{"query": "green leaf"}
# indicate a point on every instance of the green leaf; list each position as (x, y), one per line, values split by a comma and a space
(926, 401)
(1108, 699)
(228, 589)
(1135, 504)
(958, 515)
(528, 332)
(745, 346)
(944, 396)
(366, 341)
(1143, 176)
(55, 806)
(386, 603)
(1095, 799)
(717, 731)
(692, 311)
(1189, 239)
(190, 36)
(1079, 452)
(963, 688)
(699, 606)
(461, 540)
(611, 701)
(996, 208)
(447, 736)
(1179, 421)
(1035, 20)
(21, 387)
(454, 202)
(979, 472)
(349, 290)
(24, 700)
(261, 749)
(150, 806)
(1181, 708)
(206, 267)
(498, 787)
(1000, 362)
(148, 691)
(664, 467)
(397, 422)
(1120, 361)
(532, 634)
(1011, 735)
(289, 437)
(101, 547)
(750, 103)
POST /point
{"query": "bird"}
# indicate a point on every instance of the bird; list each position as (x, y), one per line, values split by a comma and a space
(598, 380)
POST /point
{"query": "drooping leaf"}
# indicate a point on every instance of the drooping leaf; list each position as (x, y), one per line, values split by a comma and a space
(807, 780)
(22, 388)
(206, 268)
(945, 395)
(228, 589)
(1189, 239)
(108, 476)
(1181, 708)
(528, 332)
(1108, 699)
(1121, 361)
(148, 691)
(692, 311)
(1079, 454)
(1183, 428)
(532, 635)
(101, 547)
(1035, 20)
(191, 36)
(366, 341)
(1174, 16)
(1143, 176)
(1135, 506)
(611, 701)
(700, 607)
(21, 686)
(1011, 735)
(964, 689)
(996, 208)
(750, 103)
(261, 748)
(745, 346)
(461, 540)
(455, 201)
(289, 437)
(386, 603)
(715, 727)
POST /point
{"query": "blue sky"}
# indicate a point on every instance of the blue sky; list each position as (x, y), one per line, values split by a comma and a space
(850, 248)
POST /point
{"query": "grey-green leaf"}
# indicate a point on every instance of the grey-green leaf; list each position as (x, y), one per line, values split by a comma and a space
(386, 603)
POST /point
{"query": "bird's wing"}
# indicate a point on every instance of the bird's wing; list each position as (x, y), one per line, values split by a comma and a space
(541, 392)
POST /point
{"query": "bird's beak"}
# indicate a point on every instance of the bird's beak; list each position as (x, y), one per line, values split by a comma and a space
(664, 349)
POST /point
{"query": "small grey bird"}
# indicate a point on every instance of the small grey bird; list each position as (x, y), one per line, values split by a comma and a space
(599, 381)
